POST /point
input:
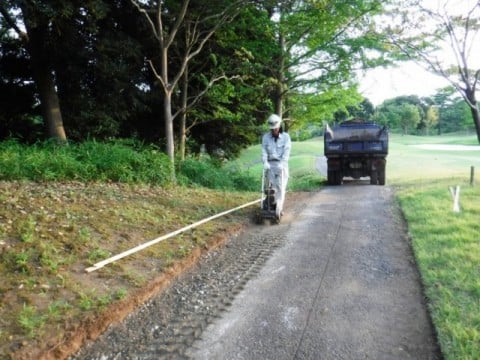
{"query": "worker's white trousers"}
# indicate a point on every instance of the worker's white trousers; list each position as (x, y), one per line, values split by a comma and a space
(278, 178)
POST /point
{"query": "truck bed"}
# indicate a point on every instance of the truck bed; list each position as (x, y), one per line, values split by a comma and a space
(356, 138)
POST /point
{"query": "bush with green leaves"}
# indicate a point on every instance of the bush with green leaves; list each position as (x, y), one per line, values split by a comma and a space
(119, 161)
(211, 174)
(126, 161)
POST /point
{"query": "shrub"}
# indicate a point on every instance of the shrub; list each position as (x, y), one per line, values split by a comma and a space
(119, 161)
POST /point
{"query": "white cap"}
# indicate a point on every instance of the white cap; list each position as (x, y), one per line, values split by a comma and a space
(274, 121)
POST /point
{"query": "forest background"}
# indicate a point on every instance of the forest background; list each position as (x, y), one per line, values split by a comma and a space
(187, 76)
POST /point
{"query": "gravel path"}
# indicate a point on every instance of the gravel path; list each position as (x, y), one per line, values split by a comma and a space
(335, 280)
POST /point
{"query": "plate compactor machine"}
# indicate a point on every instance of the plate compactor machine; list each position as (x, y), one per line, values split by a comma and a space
(270, 207)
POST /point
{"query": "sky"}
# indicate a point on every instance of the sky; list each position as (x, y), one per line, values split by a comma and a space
(409, 78)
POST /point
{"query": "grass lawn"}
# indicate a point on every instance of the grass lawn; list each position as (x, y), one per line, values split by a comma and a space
(446, 244)
(406, 162)
(447, 250)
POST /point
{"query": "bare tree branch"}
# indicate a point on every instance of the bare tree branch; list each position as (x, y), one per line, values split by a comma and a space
(147, 16)
(11, 22)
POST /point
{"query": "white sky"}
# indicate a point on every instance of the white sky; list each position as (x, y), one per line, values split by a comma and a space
(381, 84)
(409, 78)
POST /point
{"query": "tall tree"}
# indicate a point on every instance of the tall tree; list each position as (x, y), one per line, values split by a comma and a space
(167, 19)
(237, 55)
(403, 112)
(431, 118)
(39, 21)
(101, 74)
(453, 113)
(444, 39)
(321, 44)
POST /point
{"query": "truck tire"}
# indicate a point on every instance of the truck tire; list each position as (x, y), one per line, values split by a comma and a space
(334, 177)
(338, 178)
(330, 177)
(381, 176)
(373, 177)
(381, 172)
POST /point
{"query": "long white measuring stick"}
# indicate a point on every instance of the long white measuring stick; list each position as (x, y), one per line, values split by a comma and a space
(164, 237)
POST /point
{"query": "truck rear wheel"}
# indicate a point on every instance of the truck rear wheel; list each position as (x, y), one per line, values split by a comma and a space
(334, 177)
(381, 176)
(381, 172)
(339, 178)
(331, 177)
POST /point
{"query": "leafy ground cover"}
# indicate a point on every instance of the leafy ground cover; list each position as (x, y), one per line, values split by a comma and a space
(51, 232)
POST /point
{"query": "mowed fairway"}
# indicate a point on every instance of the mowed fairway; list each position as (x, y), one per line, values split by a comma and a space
(411, 159)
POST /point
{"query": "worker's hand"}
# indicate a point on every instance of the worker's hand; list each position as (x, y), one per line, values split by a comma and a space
(266, 165)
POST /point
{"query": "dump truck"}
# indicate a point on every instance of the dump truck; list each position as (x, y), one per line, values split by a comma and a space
(356, 148)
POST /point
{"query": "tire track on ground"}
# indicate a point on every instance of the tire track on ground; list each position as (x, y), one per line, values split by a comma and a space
(167, 325)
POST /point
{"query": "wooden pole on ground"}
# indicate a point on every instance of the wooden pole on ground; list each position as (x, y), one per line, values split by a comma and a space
(472, 175)
(164, 237)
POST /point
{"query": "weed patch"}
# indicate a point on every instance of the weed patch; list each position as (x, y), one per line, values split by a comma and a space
(51, 232)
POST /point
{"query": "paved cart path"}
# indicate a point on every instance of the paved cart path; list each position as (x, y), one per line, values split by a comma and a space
(344, 286)
(335, 280)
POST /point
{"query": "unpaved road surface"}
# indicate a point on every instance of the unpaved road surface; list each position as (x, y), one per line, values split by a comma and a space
(335, 280)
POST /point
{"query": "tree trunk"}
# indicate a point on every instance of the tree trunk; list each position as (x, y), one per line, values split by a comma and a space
(43, 76)
(183, 114)
(476, 120)
(281, 78)
(167, 112)
(167, 106)
(50, 105)
(473, 104)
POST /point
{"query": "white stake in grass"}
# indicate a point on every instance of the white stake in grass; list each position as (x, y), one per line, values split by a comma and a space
(456, 198)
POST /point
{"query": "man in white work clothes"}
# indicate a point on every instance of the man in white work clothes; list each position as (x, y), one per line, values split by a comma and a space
(276, 146)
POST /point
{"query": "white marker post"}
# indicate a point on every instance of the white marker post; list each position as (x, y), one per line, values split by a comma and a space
(456, 198)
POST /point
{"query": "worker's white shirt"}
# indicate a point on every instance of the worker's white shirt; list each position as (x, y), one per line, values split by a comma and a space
(276, 150)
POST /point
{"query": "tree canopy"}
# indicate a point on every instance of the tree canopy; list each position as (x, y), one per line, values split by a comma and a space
(442, 36)
(183, 74)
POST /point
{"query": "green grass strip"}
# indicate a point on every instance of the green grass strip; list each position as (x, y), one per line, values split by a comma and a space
(447, 250)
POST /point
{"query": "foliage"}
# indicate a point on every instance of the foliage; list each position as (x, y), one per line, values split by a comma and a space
(97, 51)
(320, 45)
(122, 161)
(209, 173)
(117, 161)
(442, 113)
(317, 109)
(454, 114)
(403, 116)
(443, 37)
